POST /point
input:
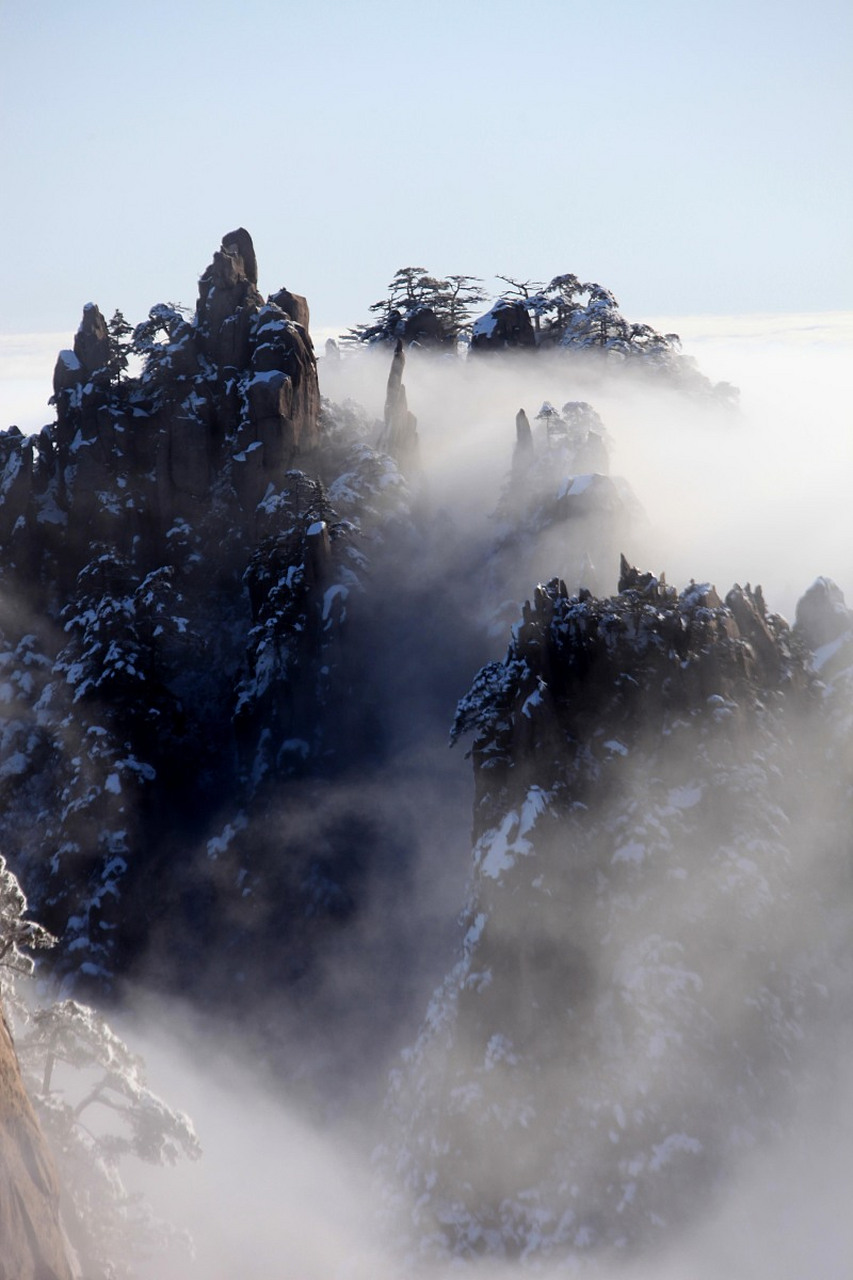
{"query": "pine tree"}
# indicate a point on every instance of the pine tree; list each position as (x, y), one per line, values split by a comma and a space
(412, 293)
(119, 332)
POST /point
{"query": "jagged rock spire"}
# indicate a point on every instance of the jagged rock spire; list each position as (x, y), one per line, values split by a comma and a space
(523, 453)
(631, 579)
(227, 298)
(239, 244)
(822, 615)
(400, 436)
(293, 305)
(92, 341)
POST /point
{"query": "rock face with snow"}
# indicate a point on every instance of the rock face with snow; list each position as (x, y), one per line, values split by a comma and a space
(506, 327)
(214, 579)
(228, 611)
(178, 583)
(91, 342)
(230, 395)
(32, 1243)
(583, 320)
(635, 987)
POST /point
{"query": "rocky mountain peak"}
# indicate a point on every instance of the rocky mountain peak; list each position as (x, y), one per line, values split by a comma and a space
(581, 672)
(238, 246)
(226, 398)
(227, 298)
(91, 342)
(822, 615)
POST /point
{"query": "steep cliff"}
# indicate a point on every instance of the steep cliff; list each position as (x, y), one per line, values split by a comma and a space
(176, 585)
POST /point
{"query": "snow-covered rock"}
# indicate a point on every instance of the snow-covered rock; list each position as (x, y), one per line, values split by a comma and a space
(636, 987)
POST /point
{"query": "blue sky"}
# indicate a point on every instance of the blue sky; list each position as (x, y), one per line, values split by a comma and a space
(693, 158)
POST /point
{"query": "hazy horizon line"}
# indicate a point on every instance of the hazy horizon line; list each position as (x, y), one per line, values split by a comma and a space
(27, 358)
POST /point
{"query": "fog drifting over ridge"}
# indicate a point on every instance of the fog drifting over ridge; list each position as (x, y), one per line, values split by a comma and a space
(276, 1195)
(796, 379)
(760, 495)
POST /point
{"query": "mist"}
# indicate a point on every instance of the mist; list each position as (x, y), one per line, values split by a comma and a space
(293, 1180)
(276, 1194)
(760, 495)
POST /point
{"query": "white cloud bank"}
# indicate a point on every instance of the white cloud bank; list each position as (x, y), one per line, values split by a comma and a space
(766, 498)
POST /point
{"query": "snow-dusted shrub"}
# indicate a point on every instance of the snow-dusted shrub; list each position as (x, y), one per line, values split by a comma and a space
(94, 1105)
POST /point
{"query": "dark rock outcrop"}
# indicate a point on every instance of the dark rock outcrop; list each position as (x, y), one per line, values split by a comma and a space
(32, 1242)
(822, 615)
(295, 306)
(422, 328)
(400, 436)
(16, 477)
(129, 457)
(239, 244)
(522, 456)
(91, 342)
(636, 986)
(505, 328)
(580, 668)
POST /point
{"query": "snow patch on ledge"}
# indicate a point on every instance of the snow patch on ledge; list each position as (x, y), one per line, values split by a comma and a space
(484, 326)
(498, 849)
